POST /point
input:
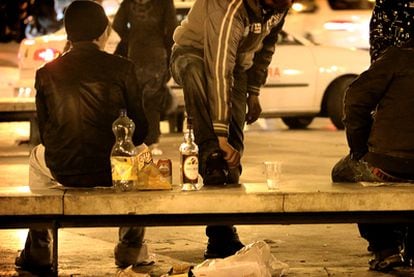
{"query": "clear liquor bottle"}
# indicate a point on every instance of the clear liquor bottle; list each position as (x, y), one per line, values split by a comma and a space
(124, 173)
(189, 159)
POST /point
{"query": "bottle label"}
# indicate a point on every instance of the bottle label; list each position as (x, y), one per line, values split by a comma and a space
(143, 158)
(190, 168)
(165, 168)
(123, 168)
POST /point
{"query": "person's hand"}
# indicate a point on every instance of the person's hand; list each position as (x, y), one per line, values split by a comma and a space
(253, 109)
(231, 155)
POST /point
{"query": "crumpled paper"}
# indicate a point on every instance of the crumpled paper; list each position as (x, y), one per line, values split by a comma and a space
(253, 260)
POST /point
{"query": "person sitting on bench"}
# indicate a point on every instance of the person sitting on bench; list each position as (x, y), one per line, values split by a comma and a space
(78, 96)
(379, 122)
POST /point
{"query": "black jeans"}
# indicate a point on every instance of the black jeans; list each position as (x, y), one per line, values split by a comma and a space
(152, 79)
(188, 70)
(380, 236)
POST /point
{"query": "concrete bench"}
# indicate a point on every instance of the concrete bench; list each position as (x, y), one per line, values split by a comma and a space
(21, 109)
(296, 203)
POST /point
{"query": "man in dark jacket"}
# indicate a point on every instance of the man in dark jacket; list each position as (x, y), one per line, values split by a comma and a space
(79, 95)
(220, 57)
(146, 28)
(379, 126)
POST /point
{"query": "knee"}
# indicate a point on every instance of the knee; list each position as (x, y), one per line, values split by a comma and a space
(187, 71)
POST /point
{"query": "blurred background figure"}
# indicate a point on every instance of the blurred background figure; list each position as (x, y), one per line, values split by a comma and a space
(146, 28)
(43, 19)
(29, 18)
(13, 15)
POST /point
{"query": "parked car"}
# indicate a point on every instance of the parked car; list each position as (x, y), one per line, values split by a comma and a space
(307, 80)
(332, 22)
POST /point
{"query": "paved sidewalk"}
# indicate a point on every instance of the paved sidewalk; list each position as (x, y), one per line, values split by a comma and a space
(309, 250)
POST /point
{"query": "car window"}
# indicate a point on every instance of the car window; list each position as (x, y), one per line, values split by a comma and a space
(351, 4)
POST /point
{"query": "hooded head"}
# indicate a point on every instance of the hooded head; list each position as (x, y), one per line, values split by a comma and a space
(85, 21)
(277, 5)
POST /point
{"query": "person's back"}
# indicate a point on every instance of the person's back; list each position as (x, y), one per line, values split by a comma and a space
(151, 24)
(78, 96)
(379, 123)
(388, 89)
(81, 96)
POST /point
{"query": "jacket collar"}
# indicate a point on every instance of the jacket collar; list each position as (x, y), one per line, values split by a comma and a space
(85, 45)
(256, 12)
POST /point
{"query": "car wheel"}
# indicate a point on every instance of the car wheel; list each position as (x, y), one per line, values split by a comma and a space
(335, 100)
(297, 122)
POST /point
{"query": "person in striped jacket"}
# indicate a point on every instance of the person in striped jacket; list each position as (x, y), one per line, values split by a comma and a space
(220, 58)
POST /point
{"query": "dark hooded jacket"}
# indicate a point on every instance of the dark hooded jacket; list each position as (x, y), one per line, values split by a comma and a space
(379, 112)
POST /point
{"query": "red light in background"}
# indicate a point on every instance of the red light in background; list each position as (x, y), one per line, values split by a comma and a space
(46, 54)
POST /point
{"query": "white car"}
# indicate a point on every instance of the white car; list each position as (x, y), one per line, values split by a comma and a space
(342, 23)
(307, 80)
(304, 80)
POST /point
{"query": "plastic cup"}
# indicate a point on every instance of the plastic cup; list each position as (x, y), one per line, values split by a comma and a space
(273, 171)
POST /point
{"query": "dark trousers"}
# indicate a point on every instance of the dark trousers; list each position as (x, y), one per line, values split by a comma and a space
(152, 80)
(38, 246)
(188, 70)
(380, 236)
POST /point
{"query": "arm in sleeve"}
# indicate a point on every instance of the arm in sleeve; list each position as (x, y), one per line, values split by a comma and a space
(257, 74)
(41, 108)
(120, 23)
(223, 32)
(362, 98)
(134, 104)
(170, 23)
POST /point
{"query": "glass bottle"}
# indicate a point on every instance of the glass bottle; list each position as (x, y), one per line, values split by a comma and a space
(189, 160)
(124, 175)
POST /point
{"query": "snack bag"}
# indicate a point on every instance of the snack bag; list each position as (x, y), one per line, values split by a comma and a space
(149, 176)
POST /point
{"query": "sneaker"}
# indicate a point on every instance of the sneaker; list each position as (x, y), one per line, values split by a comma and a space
(27, 265)
(222, 250)
(216, 170)
(386, 260)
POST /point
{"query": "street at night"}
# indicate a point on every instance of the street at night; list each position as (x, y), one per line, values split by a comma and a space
(309, 250)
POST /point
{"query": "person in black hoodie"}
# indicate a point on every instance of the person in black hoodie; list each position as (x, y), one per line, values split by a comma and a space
(390, 25)
(379, 123)
(78, 96)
